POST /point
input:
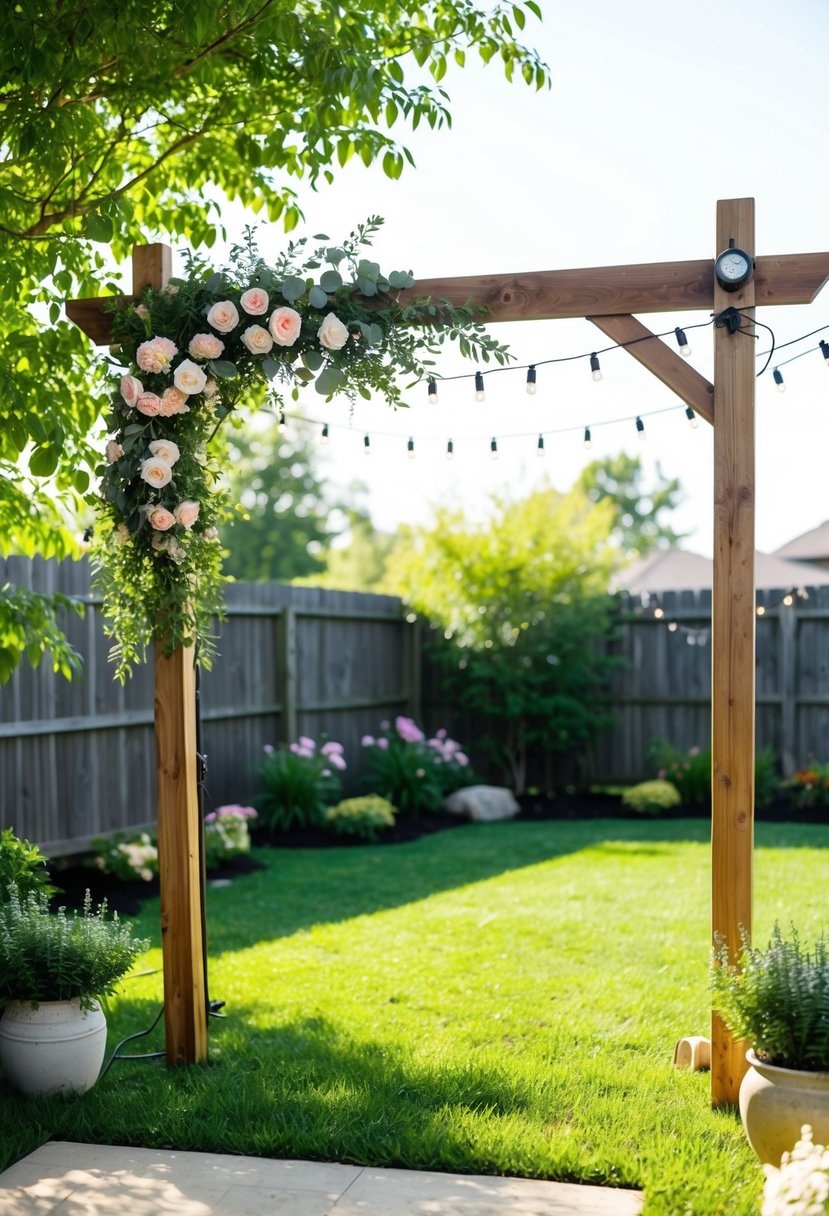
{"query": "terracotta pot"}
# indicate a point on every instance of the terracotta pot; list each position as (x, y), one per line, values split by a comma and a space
(56, 1048)
(776, 1102)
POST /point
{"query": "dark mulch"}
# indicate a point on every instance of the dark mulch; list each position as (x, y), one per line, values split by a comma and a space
(122, 897)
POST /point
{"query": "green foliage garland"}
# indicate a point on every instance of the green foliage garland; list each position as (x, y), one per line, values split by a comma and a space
(188, 354)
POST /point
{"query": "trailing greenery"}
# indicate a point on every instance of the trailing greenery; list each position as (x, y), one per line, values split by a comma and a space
(363, 817)
(23, 868)
(29, 626)
(296, 784)
(495, 999)
(51, 956)
(651, 797)
(777, 999)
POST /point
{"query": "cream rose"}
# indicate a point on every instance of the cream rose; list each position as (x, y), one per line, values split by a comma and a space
(161, 519)
(156, 355)
(205, 346)
(257, 340)
(156, 472)
(173, 401)
(254, 301)
(186, 513)
(149, 404)
(114, 452)
(211, 389)
(223, 316)
(131, 390)
(165, 450)
(332, 334)
(285, 324)
(189, 377)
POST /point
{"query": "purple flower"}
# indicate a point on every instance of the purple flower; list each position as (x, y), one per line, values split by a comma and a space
(336, 759)
(328, 749)
(307, 753)
(307, 743)
(268, 749)
(461, 759)
(442, 733)
(408, 730)
(367, 741)
(382, 744)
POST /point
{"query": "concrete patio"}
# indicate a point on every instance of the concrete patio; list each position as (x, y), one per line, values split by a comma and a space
(105, 1180)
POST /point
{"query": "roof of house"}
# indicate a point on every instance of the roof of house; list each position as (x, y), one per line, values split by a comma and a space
(680, 570)
(810, 546)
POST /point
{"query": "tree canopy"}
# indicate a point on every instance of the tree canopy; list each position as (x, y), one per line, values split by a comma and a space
(639, 524)
(120, 119)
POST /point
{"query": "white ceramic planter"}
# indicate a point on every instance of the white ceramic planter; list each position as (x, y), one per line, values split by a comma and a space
(776, 1102)
(56, 1048)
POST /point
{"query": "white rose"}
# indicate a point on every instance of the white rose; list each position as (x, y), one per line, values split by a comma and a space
(156, 472)
(189, 377)
(332, 334)
(165, 450)
(257, 339)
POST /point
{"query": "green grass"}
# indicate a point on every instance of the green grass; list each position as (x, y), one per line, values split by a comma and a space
(499, 998)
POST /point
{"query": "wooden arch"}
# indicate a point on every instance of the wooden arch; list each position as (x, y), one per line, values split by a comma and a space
(607, 296)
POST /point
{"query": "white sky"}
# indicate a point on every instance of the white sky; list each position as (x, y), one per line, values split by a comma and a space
(657, 110)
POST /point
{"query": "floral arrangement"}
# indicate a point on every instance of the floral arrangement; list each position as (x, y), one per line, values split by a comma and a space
(800, 1187)
(127, 857)
(186, 356)
(227, 833)
(413, 772)
(298, 782)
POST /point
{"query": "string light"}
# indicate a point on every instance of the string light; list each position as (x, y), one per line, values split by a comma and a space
(493, 448)
(410, 452)
(450, 450)
(824, 350)
(588, 442)
(539, 450)
(433, 392)
(682, 342)
(281, 420)
(531, 380)
(324, 435)
(761, 611)
(640, 427)
(778, 380)
(595, 367)
(480, 394)
(692, 418)
(366, 445)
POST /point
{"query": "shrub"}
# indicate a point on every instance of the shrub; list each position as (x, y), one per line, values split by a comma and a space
(363, 817)
(297, 783)
(227, 834)
(801, 1184)
(127, 857)
(50, 956)
(22, 867)
(690, 772)
(810, 786)
(413, 772)
(777, 999)
(651, 797)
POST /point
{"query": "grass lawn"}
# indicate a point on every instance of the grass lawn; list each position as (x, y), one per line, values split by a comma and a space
(499, 998)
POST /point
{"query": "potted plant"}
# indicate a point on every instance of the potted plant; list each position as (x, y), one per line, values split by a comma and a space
(777, 999)
(53, 968)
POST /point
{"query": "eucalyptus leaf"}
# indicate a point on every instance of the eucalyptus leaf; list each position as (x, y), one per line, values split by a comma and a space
(313, 359)
(303, 375)
(367, 286)
(329, 381)
(292, 288)
(318, 298)
(270, 367)
(223, 368)
(215, 282)
(331, 280)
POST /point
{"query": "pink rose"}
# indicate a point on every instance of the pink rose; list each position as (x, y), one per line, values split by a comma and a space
(257, 340)
(205, 346)
(189, 377)
(131, 390)
(285, 324)
(156, 355)
(156, 472)
(223, 316)
(173, 401)
(161, 519)
(114, 452)
(142, 311)
(187, 513)
(149, 404)
(332, 334)
(165, 450)
(254, 301)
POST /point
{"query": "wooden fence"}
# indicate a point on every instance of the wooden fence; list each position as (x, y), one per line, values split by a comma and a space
(662, 687)
(77, 759)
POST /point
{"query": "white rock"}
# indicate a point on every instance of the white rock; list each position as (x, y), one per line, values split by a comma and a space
(482, 803)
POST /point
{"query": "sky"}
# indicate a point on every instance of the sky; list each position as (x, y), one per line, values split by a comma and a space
(656, 111)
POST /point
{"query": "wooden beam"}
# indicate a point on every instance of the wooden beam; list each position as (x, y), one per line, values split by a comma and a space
(666, 364)
(543, 295)
(733, 625)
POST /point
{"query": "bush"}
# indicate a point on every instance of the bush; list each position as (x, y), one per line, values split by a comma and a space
(777, 999)
(298, 782)
(413, 772)
(363, 817)
(50, 956)
(22, 868)
(227, 834)
(651, 797)
(690, 772)
(127, 857)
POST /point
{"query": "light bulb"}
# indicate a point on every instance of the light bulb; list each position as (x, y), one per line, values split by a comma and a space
(433, 392)
(659, 613)
(682, 342)
(410, 449)
(692, 418)
(594, 367)
(324, 435)
(588, 443)
(531, 380)
(493, 448)
(366, 445)
(761, 610)
(539, 451)
(824, 350)
(640, 427)
(788, 600)
(281, 420)
(672, 626)
(480, 394)
(778, 380)
(450, 450)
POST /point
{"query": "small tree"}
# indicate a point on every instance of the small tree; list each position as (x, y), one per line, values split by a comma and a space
(638, 524)
(520, 608)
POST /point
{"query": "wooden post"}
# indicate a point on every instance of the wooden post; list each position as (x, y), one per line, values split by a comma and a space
(733, 625)
(185, 999)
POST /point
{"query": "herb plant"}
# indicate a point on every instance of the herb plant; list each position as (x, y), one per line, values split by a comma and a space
(22, 868)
